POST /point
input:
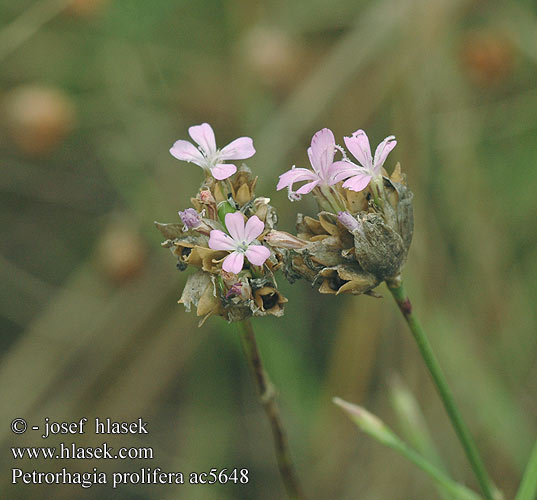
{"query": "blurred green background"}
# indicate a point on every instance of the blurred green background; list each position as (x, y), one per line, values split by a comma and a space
(92, 95)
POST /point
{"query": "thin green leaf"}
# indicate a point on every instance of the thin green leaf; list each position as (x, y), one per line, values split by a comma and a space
(414, 426)
(372, 425)
(528, 486)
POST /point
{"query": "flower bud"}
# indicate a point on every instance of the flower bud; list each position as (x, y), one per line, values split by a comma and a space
(348, 221)
(281, 239)
(191, 219)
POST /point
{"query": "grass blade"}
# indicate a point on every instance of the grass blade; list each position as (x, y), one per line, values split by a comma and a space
(528, 486)
(372, 425)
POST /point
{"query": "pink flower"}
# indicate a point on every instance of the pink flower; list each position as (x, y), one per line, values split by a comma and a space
(359, 176)
(207, 156)
(321, 155)
(241, 242)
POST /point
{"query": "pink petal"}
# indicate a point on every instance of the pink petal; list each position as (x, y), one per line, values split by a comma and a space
(186, 151)
(358, 182)
(203, 134)
(306, 188)
(257, 254)
(218, 240)
(254, 227)
(233, 263)
(235, 226)
(382, 151)
(296, 175)
(239, 149)
(359, 146)
(223, 171)
(341, 170)
(321, 153)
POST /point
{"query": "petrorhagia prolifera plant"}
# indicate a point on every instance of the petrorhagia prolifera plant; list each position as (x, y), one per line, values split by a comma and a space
(360, 239)
(221, 236)
(362, 234)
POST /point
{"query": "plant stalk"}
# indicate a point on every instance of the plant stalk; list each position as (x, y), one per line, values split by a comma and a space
(399, 294)
(267, 397)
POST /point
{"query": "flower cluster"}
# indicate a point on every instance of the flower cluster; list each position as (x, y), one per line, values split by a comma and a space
(222, 234)
(359, 239)
(327, 172)
(363, 232)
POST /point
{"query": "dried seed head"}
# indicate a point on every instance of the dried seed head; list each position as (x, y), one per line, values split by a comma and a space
(351, 252)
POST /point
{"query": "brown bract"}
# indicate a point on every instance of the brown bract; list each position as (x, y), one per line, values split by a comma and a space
(346, 278)
(200, 292)
(269, 300)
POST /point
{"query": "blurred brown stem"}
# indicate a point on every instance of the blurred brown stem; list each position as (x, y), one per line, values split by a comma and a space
(267, 396)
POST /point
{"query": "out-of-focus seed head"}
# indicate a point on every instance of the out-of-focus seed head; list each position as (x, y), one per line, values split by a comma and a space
(272, 55)
(85, 8)
(488, 56)
(121, 252)
(38, 118)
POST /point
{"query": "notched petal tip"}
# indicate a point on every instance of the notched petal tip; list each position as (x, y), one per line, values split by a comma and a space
(235, 225)
(257, 254)
(358, 145)
(233, 263)
(218, 240)
(204, 136)
(253, 228)
(239, 149)
(223, 171)
(186, 151)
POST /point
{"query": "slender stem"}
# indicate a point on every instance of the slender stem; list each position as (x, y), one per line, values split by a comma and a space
(267, 396)
(400, 296)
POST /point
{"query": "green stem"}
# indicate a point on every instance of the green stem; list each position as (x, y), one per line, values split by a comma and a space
(267, 396)
(376, 190)
(397, 290)
(332, 202)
